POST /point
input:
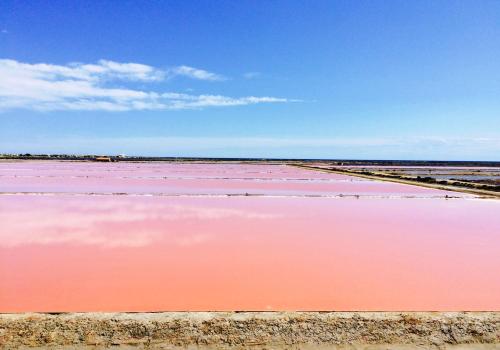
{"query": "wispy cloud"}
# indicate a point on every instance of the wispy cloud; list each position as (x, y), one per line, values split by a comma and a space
(78, 86)
(181, 101)
(195, 73)
(251, 75)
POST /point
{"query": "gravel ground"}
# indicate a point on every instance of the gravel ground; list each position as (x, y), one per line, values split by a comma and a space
(255, 330)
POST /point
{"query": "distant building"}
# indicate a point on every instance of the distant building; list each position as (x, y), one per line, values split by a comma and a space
(102, 159)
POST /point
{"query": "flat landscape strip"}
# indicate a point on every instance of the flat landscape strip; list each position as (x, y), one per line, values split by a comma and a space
(216, 195)
(252, 329)
(481, 192)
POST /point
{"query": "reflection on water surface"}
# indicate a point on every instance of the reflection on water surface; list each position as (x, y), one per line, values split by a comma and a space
(61, 251)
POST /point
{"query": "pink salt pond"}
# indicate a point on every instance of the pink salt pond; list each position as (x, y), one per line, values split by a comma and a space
(179, 244)
(192, 179)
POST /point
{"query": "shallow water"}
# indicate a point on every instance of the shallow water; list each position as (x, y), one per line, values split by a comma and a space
(192, 179)
(62, 250)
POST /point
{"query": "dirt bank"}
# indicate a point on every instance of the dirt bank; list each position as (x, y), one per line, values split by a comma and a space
(453, 186)
(206, 330)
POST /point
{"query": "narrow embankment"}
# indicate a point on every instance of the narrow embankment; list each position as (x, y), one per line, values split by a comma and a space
(453, 187)
(278, 330)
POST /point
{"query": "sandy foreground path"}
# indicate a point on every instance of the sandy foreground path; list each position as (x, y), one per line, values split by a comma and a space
(255, 330)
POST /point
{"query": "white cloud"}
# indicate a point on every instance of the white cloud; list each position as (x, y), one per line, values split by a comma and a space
(77, 86)
(195, 73)
(182, 101)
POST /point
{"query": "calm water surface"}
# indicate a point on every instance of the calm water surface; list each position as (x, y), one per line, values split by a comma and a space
(172, 240)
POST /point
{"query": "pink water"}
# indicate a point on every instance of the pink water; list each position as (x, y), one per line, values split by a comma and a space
(64, 250)
(179, 179)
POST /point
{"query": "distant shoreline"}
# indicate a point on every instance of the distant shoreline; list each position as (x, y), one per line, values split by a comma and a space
(337, 162)
(486, 191)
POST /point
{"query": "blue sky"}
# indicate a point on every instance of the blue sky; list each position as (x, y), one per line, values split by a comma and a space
(312, 79)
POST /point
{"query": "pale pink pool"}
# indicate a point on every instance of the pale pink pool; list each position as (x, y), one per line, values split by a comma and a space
(182, 245)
